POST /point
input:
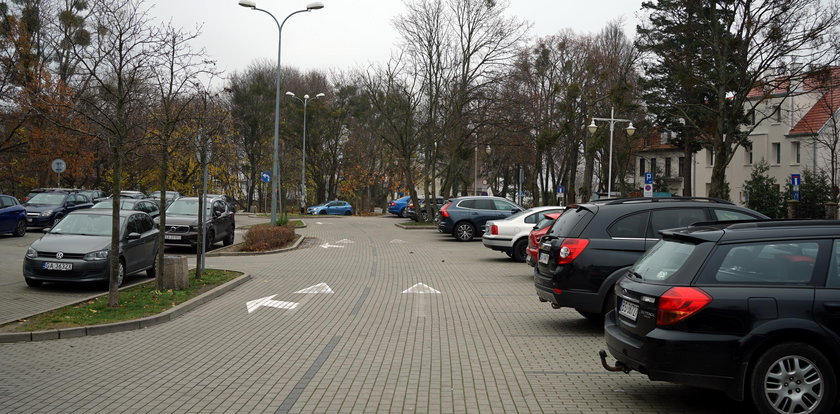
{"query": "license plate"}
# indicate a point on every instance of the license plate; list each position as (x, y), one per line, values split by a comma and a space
(57, 266)
(629, 310)
(29, 220)
(170, 237)
(544, 258)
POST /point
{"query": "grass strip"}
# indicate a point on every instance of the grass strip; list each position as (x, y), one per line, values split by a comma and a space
(135, 302)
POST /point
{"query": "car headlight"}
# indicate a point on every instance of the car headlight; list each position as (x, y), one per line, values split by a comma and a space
(31, 253)
(97, 256)
(46, 213)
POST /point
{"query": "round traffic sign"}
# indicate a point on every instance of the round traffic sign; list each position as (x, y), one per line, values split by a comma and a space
(648, 187)
(59, 166)
(266, 176)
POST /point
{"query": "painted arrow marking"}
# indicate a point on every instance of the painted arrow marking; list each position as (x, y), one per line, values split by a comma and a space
(327, 246)
(267, 301)
(397, 241)
(318, 222)
(345, 241)
(421, 288)
(319, 288)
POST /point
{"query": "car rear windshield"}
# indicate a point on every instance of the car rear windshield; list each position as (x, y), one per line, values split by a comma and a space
(570, 222)
(663, 260)
(49, 199)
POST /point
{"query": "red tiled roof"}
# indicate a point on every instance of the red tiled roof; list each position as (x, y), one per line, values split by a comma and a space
(819, 114)
(781, 84)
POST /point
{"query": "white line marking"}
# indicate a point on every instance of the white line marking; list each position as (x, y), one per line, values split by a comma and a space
(267, 301)
(319, 288)
(421, 288)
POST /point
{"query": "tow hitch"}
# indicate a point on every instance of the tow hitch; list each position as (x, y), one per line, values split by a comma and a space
(619, 367)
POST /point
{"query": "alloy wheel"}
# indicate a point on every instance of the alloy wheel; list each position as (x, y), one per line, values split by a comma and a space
(793, 384)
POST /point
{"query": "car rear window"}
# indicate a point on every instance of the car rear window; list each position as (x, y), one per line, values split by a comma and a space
(663, 260)
(764, 263)
(571, 222)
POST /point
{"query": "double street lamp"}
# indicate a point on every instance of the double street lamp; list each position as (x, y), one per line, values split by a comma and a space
(305, 101)
(612, 120)
(275, 170)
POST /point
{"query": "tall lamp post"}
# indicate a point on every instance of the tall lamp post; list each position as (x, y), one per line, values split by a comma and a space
(475, 180)
(275, 169)
(612, 120)
(305, 101)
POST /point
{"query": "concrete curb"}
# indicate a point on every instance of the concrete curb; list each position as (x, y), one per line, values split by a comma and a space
(223, 251)
(131, 325)
(402, 226)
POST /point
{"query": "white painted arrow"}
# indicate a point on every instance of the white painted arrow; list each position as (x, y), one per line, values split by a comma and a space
(267, 301)
(421, 288)
(345, 241)
(319, 288)
(318, 222)
(327, 246)
(397, 241)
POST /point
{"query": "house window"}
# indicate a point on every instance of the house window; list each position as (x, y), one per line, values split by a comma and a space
(777, 153)
(663, 137)
(653, 165)
(748, 154)
(751, 116)
(681, 167)
(668, 167)
(642, 170)
(710, 158)
(777, 113)
(794, 150)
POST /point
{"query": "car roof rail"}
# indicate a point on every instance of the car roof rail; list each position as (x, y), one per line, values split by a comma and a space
(631, 200)
(751, 224)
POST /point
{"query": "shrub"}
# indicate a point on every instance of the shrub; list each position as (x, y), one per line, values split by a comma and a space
(282, 220)
(266, 237)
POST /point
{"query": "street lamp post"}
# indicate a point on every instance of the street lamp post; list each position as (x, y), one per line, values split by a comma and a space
(475, 182)
(275, 184)
(612, 120)
(305, 101)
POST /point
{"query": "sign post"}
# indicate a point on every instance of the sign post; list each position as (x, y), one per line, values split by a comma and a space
(648, 188)
(795, 182)
(58, 167)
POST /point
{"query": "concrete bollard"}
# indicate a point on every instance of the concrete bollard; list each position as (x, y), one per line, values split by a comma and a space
(792, 209)
(831, 210)
(175, 273)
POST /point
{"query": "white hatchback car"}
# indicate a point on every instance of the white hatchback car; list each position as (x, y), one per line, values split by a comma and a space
(510, 235)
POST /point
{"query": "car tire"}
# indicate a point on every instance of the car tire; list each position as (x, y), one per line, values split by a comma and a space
(33, 283)
(348, 213)
(229, 238)
(323, 212)
(464, 231)
(519, 250)
(211, 238)
(402, 213)
(424, 216)
(20, 230)
(120, 273)
(152, 271)
(56, 219)
(801, 363)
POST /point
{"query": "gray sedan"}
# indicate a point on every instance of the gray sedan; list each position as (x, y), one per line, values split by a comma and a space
(77, 248)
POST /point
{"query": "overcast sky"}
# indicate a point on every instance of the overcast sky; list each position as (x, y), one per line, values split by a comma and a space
(348, 34)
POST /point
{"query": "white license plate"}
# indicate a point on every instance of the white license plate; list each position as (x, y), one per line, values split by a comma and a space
(29, 220)
(57, 266)
(170, 237)
(544, 258)
(628, 309)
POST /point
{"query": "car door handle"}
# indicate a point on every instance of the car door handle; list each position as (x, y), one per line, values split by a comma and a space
(832, 306)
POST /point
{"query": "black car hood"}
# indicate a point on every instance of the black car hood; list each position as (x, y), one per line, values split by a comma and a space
(182, 220)
(37, 208)
(71, 243)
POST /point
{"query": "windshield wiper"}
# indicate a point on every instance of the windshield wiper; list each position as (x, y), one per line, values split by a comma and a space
(635, 274)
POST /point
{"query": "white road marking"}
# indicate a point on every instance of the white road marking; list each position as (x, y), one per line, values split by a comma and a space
(345, 241)
(319, 288)
(327, 246)
(421, 288)
(267, 301)
(397, 241)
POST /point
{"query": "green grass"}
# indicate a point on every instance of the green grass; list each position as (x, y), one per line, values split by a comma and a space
(416, 223)
(135, 302)
(296, 223)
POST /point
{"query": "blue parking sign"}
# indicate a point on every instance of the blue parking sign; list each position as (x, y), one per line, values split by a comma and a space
(648, 178)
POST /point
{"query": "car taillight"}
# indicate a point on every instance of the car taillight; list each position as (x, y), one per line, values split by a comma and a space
(570, 249)
(679, 303)
(494, 230)
(443, 212)
(393, 204)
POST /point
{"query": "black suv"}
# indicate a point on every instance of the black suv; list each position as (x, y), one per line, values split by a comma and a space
(591, 245)
(751, 309)
(182, 222)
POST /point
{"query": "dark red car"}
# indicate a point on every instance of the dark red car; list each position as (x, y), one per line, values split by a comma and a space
(534, 237)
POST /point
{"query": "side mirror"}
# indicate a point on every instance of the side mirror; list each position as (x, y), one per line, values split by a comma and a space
(133, 236)
(514, 211)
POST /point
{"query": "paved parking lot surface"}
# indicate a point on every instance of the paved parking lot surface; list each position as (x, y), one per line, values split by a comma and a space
(484, 343)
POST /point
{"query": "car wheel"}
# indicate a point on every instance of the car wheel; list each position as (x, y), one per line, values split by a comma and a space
(229, 238)
(33, 283)
(56, 219)
(402, 213)
(152, 271)
(323, 212)
(20, 230)
(121, 273)
(519, 252)
(424, 216)
(348, 213)
(208, 242)
(464, 231)
(793, 378)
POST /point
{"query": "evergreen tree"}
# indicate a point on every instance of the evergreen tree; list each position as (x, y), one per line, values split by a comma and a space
(763, 193)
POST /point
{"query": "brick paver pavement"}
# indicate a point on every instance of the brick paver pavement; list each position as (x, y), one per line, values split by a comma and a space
(484, 344)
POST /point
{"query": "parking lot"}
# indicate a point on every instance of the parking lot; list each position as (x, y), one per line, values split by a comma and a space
(412, 321)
